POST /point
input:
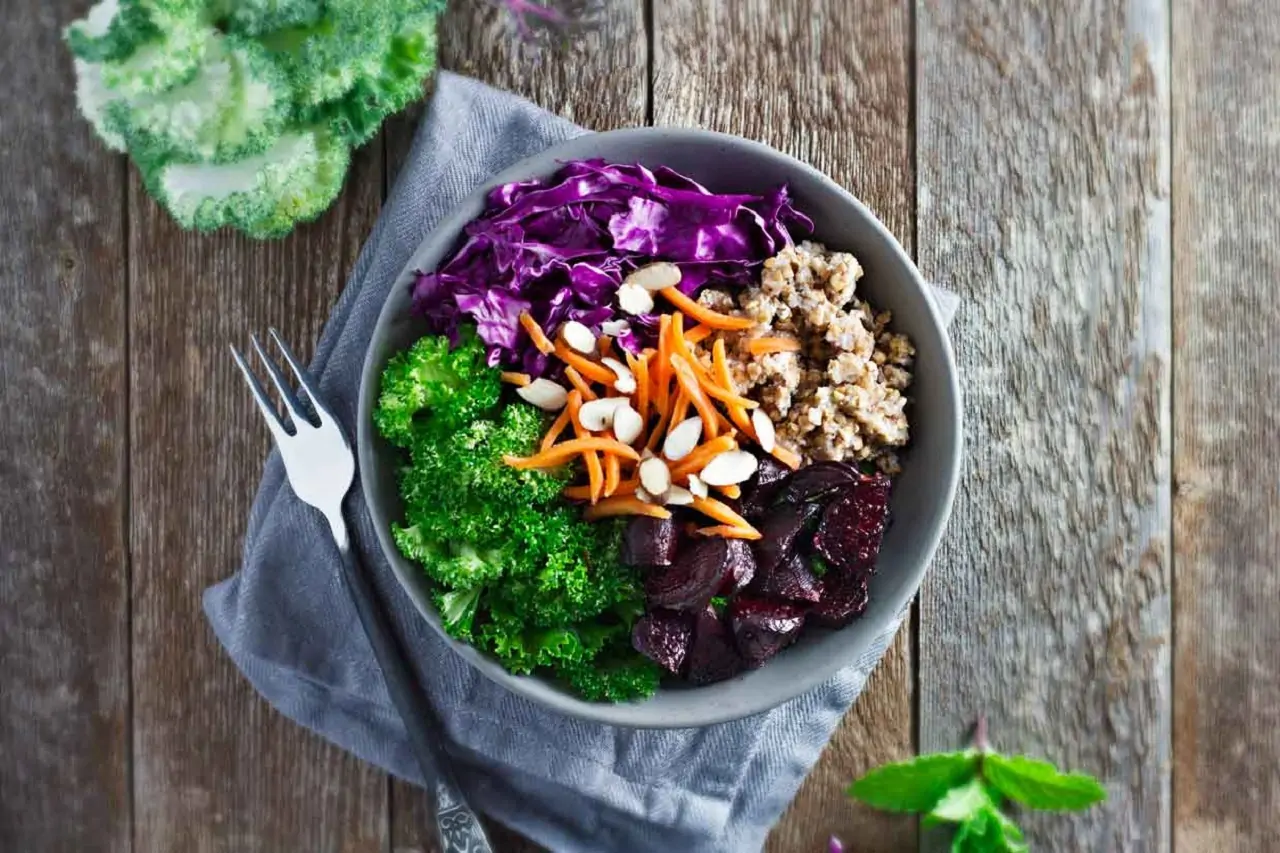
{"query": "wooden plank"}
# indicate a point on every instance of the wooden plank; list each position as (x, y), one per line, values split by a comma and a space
(215, 768)
(1226, 158)
(64, 642)
(600, 82)
(827, 81)
(1042, 141)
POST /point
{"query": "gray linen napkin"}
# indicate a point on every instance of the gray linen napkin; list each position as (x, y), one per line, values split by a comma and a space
(288, 624)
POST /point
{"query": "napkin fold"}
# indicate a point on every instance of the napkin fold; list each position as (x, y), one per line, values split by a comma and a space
(288, 624)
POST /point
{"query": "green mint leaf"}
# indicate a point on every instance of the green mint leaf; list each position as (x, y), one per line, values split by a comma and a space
(1038, 784)
(962, 804)
(916, 785)
(988, 831)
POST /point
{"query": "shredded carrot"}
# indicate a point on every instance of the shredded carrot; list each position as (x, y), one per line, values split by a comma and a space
(557, 427)
(604, 346)
(576, 380)
(659, 430)
(680, 410)
(517, 379)
(680, 345)
(720, 368)
(728, 531)
(585, 366)
(689, 382)
(624, 505)
(701, 455)
(729, 398)
(612, 473)
(566, 450)
(640, 368)
(764, 346)
(590, 459)
(786, 456)
(703, 314)
(698, 334)
(733, 491)
(720, 512)
(539, 337)
(662, 372)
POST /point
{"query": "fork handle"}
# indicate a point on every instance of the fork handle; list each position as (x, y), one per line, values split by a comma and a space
(456, 824)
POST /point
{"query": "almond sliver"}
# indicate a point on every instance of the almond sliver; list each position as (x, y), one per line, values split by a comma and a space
(765, 433)
(627, 423)
(626, 381)
(634, 299)
(579, 337)
(697, 488)
(597, 415)
(655, 476)
(729, 468)
(655, 277)
(682, 439)
(679, 496)
(544, 394)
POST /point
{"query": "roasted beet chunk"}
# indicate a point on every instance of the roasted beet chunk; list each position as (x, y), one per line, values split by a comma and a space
(664, 636)
(844, 598)
(650, 541)
(791, 580)
(713, 656)
(853, 524)
(818, 482)
(760, 490)
(741, 568)
(693, 579)
(778, 532)
(763, 628)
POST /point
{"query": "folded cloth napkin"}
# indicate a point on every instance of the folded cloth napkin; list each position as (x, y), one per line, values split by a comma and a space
(287, 622)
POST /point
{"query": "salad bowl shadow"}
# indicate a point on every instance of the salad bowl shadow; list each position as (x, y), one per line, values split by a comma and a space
(923, 492)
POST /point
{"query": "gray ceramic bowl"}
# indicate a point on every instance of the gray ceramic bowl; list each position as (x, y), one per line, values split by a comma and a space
(922, 495)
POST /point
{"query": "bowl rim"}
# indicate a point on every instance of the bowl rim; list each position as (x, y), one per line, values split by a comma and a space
(541, 690)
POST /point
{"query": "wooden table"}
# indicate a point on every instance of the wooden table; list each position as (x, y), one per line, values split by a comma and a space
(1097, 180)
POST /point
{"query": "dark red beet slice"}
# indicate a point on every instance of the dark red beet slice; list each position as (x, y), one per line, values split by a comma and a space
(650, 541)
(778, 531)
(818, 482)
(844, 598)
(791, 580)
(851, 528)
(665, 637)
(714, 657)
(764, 485)
(741, 568)
(763, 628)
(693, 579)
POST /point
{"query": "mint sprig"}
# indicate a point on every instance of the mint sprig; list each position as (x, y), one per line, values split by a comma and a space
(967, 788)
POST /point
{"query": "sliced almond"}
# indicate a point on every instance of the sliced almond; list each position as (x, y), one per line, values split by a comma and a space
(679, 496)
(654, 277)
(696, 487)
(597, 415)
(635, 300)
(655, 476)
(626, 381)
(615, 328)
(579, 337)
(728, 468)
(544, 394)
(682, 439)
(643, 494)
(765, 433)
(627, 423)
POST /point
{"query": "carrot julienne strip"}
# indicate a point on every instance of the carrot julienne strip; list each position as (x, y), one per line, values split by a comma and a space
(612, 473)
(728, 531)
(566, 450)
(720, 368)
(689, 382)
(698, 334)
(539, 337)
(786, 456)
(703, 314)
(517, 379)
(585, 366)
(733, 492)
(721, 512)
(576, 380)
(590, 459)
(765, 346)
(557, 427)
(624, 505)
(701, 455)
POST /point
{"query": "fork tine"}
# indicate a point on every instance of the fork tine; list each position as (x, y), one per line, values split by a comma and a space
(313, 396)
(291, 401)
(264, 405)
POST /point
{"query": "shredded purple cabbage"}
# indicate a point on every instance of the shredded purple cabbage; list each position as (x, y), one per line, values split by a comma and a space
(559, 248)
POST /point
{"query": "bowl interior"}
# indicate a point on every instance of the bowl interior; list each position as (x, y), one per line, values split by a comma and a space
(922, 495)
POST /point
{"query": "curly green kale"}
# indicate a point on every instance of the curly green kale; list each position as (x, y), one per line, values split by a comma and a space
(243, 113)
(517, 572)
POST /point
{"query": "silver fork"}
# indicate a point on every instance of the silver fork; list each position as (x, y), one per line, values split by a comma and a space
(321, 467)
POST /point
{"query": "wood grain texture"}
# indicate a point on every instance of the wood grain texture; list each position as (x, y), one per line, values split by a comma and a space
(826, 81)
(215, 768)
(1226, 428)
(1043, 163)
(599, 81)
(64, 654)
